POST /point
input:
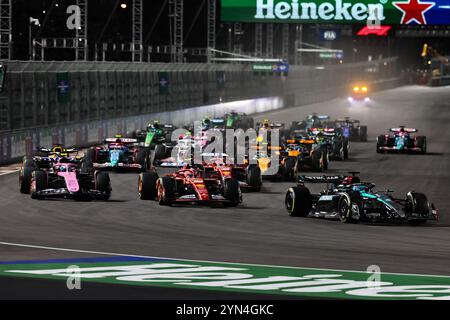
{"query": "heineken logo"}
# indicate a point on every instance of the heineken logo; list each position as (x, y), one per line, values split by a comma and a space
(385, 12)
(338, 10)
(413, 11)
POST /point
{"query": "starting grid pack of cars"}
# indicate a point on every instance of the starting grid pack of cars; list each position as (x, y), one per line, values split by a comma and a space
(308, 145)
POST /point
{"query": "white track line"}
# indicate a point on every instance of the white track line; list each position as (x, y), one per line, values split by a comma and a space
(8, 172)
(203, 261)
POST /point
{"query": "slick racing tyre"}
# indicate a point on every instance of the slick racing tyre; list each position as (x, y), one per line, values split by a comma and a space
(160, 152)
(87, 166)
(325, 160)
(90, 155)
(317, 160)
(232, 192)
(166, 190)
(147, 185)
(421, 142)
(289, 171)
(25, 175)
(141, 159)
(381, 143)
(363, 134)
(38, 183)
(345, 149)
(103, 184)
(418, 203)
(254, 178)
(345, 209)
(298, 201)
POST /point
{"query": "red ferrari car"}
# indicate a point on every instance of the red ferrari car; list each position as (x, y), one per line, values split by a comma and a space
(193, 184)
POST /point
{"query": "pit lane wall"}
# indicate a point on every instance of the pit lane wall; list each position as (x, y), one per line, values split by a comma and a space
(79, 104)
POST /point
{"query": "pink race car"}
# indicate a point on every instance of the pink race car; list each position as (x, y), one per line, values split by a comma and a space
(68, 180)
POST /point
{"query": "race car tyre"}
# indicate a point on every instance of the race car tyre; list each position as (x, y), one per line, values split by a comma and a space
(166, 190)
(363, 133)
(317, 162)
(168, 137)
(160, 152)
(147, 185)
(232, 192)
(380, 143)
(298, 201)
(251, 123)
(345, 149)
(87, 166)
(25, 179)
(421, 142)
(254, 178)
(141, 159)
(103, 184)
(29, 163)
(90, 155)
(289, 171)
(345, 209)
(418, 203)
(38, 183)
(338, 151)
(325, 160)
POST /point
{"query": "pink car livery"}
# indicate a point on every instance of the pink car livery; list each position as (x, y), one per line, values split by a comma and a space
(69, 180)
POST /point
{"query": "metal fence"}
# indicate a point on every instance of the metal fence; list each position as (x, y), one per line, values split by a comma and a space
(107, 90)
(111, 98)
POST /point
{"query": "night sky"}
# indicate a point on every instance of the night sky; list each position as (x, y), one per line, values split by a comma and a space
(119, 31)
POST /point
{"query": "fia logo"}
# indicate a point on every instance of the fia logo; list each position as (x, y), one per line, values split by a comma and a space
(329, 35)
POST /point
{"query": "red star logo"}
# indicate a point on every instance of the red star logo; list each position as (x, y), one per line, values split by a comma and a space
(413, 10)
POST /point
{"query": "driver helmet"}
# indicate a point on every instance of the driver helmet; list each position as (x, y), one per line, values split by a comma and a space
(351, 180)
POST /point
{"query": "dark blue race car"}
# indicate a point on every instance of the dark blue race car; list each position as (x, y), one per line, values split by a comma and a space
(349, 200)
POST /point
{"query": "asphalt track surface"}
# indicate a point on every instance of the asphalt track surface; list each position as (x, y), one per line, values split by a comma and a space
(260, 231)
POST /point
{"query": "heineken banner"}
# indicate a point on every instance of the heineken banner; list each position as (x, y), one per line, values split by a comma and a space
(373, 12)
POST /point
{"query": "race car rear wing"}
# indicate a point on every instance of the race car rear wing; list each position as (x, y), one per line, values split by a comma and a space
(408, 130)
(121, 140)
(320, 179)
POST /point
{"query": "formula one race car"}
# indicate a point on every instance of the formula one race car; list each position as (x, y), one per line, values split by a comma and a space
(190, 185)
(121, 154)
(349, 200)
(401, 140)
(44, 159)
(310, 154)
(334, 140)
(235, 120)
(267, 128)
(271, 156)
(248, 175)
(359, 92)
(155, 134)
(66, 180)
(352, 129)
(311, 121)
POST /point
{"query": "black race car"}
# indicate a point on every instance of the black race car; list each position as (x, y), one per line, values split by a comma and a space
(350, 200)
(351, 129)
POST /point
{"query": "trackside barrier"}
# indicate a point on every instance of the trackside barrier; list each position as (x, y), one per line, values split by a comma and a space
(105, 99)
(14, 145)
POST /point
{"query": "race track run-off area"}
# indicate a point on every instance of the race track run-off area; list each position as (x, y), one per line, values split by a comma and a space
(137, 249)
